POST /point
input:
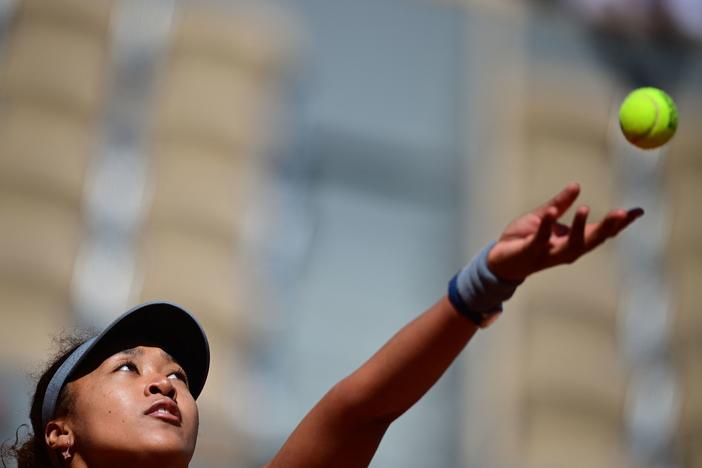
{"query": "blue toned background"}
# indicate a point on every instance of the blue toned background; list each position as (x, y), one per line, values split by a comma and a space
(305, 176)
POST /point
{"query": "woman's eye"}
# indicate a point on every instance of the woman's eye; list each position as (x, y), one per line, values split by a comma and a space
(180, 375)
(126, 366)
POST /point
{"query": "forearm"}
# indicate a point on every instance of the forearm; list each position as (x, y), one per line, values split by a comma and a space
(350, 420)
(408, 365)
(347, 424)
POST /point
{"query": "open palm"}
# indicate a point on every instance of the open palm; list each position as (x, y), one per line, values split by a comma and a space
(537, 240)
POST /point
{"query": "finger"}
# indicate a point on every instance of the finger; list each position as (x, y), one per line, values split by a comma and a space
(576, 240)
(543, 234)
(597, 233)
(631, 216)
(560, 201)
(635, 212)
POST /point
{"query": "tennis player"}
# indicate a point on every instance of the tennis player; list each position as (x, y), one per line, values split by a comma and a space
(126, 397)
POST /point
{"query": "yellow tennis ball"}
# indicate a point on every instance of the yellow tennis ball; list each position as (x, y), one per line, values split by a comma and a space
(648, 117)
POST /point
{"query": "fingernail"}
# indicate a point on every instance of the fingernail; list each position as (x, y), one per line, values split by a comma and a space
(636, 212)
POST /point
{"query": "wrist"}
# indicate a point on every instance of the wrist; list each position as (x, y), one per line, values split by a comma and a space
(478, 293)
(496, 265)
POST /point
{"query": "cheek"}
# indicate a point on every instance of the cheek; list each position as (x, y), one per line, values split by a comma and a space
(106, 416)
(191, 417)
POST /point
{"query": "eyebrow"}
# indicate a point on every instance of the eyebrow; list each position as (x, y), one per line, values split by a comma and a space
(140, 352)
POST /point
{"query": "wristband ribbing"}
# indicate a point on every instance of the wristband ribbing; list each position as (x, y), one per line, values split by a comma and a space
(477, 293)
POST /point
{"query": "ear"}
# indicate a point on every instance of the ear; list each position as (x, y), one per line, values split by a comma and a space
(58, 436)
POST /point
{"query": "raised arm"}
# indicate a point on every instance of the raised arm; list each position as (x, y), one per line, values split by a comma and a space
(347, 424)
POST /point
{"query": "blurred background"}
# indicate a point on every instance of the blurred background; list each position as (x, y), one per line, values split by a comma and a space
(305, 176)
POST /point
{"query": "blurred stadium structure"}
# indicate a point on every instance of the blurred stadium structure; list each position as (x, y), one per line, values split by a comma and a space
(306, 175)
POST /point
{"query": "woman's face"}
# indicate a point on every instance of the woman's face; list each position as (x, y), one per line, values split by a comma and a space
(135, 407)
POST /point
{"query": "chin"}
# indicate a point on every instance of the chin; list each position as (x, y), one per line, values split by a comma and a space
(167, 442)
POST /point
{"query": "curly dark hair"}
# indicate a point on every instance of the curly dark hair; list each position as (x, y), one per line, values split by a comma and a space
(32, 451)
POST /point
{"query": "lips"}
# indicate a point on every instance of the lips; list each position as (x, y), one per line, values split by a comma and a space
(165, 410)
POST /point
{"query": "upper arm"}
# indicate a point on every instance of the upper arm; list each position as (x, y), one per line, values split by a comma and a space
(334, 433)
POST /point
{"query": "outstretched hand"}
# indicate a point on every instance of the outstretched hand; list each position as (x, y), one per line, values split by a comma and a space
(537, 240)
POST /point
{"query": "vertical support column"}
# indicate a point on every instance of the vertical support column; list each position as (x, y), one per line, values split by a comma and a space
(114, 199)
(52, 96)
(212, 124)
(683, 182)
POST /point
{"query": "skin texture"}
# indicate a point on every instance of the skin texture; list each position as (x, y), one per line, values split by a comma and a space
(107, 426)
(344, 429)
(537, 240)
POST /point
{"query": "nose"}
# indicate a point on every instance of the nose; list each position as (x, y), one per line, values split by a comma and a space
(161, 385)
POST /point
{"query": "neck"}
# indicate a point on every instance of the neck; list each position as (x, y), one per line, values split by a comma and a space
(78, 461)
